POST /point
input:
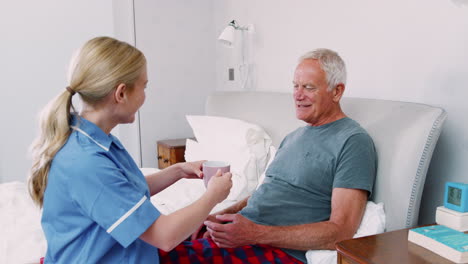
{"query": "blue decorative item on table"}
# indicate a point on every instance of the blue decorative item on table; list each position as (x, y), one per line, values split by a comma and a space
(456, 196)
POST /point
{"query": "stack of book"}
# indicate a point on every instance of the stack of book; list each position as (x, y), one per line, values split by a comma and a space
(451, 218)
(448, 243)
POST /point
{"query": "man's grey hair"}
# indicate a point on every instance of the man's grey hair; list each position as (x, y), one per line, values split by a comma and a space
(331, 63)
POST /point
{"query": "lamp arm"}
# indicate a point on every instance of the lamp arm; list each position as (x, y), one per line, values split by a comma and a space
(234, 24)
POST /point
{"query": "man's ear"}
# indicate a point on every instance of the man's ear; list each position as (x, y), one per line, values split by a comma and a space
(119, 93)
(338, 92)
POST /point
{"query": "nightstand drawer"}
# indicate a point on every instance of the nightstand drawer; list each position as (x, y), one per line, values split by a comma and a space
(170, 151)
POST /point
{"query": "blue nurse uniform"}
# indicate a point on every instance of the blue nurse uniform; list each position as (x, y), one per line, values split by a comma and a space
(97, 202)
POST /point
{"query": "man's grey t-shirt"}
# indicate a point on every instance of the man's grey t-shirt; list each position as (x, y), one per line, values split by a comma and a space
(309, 163)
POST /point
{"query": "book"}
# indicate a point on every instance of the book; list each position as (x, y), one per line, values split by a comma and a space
(446, 242)
(451, 218)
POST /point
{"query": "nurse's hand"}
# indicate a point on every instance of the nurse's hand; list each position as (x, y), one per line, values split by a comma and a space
(191, 170)
(219, 186)
(201, 231)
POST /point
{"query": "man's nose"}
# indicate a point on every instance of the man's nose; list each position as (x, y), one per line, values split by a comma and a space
(299, 93)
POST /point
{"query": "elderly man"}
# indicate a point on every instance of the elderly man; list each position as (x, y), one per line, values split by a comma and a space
(315, 190)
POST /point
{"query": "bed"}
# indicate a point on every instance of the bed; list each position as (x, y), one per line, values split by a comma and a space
(251, 125)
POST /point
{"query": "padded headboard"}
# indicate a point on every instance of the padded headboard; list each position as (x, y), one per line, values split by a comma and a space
(404, 134)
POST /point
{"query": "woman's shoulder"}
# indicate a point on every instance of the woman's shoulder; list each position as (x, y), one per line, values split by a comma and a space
(78, 157)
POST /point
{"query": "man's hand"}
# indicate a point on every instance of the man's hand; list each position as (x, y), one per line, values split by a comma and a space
(212, 218)
(238, 231)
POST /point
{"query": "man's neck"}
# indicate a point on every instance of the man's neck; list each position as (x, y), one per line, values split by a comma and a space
(330, 117)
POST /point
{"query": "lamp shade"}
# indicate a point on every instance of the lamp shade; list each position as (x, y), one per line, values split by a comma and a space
(227, 36)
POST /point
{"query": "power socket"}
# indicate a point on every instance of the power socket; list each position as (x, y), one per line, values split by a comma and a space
(231, 74)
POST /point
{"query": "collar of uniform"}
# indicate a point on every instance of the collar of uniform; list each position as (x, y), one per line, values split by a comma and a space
(116, 141)
(93, 131)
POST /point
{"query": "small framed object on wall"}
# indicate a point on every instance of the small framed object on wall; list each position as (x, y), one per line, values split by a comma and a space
(456, 196)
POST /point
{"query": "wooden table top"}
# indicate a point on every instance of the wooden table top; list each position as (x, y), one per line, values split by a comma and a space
(387, 248)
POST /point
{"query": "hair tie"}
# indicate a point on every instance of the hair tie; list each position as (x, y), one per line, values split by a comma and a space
(70, 90)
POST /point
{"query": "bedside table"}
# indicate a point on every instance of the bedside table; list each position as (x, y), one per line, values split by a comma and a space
(170, 151)
(386, 248)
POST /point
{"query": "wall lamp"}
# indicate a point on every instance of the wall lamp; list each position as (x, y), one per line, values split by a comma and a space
(227, 37)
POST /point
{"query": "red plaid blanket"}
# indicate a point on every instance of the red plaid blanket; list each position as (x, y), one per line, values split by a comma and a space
(206, 251)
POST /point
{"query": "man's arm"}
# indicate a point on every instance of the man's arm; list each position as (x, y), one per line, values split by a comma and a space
(348, 206)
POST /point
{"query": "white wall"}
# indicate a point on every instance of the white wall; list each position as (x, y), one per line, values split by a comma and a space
(400, 50)
(178, 40)
(37, 41)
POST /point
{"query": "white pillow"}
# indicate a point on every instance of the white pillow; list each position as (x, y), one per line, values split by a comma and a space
(223, 130)
(244, 145)
(228, 132)
(373, 222)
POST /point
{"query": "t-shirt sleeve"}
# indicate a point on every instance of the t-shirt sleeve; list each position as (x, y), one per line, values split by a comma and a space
(106, 195)
(357, 164)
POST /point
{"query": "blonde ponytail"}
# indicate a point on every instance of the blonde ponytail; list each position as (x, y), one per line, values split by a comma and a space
(54, 122)
(102, 64)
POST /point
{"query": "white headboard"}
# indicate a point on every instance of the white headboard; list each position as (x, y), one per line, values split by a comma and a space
(404, 134)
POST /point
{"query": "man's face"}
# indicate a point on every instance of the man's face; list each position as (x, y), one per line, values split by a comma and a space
(314, 103)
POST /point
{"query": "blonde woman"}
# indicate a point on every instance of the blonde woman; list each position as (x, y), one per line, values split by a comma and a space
(96, 202)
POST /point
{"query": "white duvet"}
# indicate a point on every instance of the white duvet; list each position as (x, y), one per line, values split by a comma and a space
(21, 236)
(22, 239)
